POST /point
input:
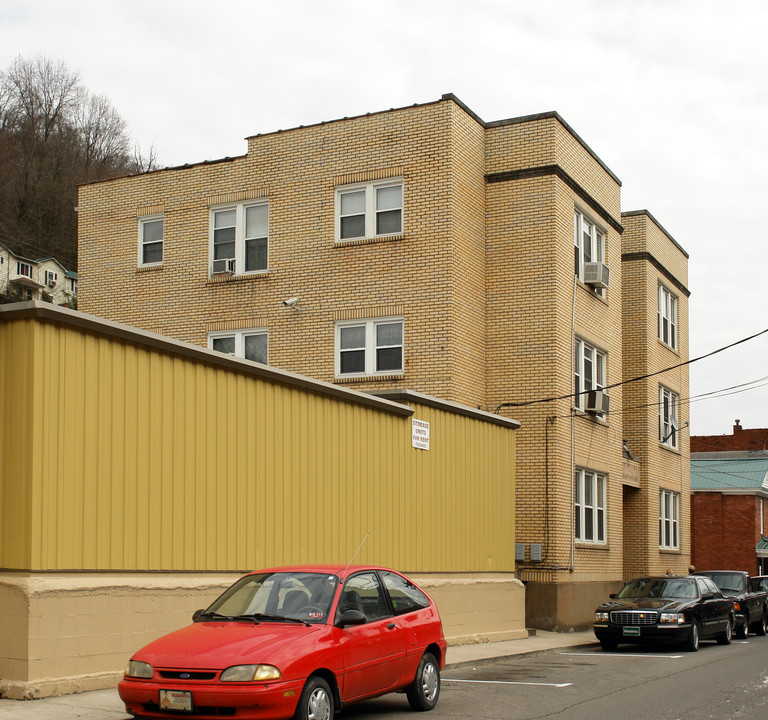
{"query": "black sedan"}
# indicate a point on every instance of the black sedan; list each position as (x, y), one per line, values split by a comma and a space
(665, 609)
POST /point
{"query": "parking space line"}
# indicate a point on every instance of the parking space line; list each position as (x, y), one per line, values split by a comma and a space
(623, 655)
(507, 682)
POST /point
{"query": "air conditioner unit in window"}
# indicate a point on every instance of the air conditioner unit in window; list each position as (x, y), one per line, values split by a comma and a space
(597, 402)
(224, 267)
(596, 274)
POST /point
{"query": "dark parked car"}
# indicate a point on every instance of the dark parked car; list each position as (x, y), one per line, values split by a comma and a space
(750, 601)
(760, 582)
(665, 609)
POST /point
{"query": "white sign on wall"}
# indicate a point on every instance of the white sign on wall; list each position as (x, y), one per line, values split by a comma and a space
(419, 434)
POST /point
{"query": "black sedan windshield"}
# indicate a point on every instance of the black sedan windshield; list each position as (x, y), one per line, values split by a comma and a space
(277, 596)
(659, 588)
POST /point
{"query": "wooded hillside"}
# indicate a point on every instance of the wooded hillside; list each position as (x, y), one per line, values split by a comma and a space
(54, 135)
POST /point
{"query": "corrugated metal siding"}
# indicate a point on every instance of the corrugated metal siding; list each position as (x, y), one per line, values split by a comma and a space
(17, 453)
(130, 458)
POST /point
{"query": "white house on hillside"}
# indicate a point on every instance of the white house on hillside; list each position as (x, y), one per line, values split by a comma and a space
(23, 278)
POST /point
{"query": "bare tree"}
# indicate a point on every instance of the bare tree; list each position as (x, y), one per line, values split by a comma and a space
(55, 135)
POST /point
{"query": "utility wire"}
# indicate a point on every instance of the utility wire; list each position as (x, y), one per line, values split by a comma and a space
(631, 380)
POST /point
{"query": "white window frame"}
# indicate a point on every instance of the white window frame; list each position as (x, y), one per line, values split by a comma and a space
(239, 338)
(669, 519)
(667, 317)
(369, 347)
(669, 403)
(144, 243)
(371, 210)
(50, 277)
(589, 508)
(589, 244)
(21, 266)
(590, 367)
(240, 240)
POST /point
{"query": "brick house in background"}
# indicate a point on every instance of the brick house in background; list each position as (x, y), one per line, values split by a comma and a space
(741, 439)
(484, 263)
(729, 500)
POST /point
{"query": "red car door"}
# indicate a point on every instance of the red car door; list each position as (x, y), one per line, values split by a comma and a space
(373, 653)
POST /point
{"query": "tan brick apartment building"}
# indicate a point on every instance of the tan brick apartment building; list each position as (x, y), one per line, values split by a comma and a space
(426, 249)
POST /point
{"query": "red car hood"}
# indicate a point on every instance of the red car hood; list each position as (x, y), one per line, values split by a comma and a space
(218, 645)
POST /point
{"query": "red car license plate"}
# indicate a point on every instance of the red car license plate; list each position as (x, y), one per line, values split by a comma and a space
(178, 700)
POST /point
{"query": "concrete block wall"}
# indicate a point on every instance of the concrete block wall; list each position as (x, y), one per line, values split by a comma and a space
(83, 629)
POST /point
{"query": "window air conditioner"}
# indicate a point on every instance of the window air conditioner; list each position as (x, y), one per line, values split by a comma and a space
(597, 402)
(224, 267)
(596, 274)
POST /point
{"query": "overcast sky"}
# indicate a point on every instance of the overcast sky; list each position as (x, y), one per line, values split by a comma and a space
(671, 94)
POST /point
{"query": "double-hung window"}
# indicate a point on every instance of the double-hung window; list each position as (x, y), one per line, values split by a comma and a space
(151, 240)
(249, 344)
(369, 347)
(589, 371)
(667, 317)
(240, 238)
(668, 424)
(51, 278)
(24, 269)
(669, 507)
(589, 506)
(369, 210)
(589, 244)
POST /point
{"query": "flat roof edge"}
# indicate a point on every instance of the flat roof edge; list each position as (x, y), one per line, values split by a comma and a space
(636, 213)
(35, 309)
(411, 396)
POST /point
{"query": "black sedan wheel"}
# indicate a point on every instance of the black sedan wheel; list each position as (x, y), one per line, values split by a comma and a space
(742, 631)
(424, 691)
(727, 634)
(692, 643)
(316, 701)
(608, 645)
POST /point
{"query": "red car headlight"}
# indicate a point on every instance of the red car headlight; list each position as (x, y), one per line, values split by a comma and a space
(138, 669)
(250, 673)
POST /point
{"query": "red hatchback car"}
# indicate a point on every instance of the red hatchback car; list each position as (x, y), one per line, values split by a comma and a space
(296, 642)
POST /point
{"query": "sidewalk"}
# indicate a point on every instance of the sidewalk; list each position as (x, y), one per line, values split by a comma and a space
(106, 705)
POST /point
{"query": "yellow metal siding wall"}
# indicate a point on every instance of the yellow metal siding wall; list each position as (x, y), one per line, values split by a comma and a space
(16, 449)
(145, 460)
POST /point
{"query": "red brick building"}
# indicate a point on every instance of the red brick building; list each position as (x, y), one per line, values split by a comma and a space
(742, 439)
(729, 512)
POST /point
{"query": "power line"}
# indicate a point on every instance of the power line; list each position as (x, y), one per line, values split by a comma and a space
(712, 395)
(635, 379)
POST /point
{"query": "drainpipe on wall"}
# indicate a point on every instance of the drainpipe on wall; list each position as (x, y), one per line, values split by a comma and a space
(573, 421)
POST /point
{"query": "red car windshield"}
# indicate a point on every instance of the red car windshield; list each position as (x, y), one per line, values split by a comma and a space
(305, 596)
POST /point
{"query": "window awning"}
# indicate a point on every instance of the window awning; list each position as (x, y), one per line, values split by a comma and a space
(762, 547)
